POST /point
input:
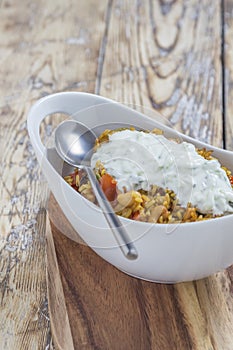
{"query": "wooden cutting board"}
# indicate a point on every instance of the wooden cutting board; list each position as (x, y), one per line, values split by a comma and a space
(95, 306)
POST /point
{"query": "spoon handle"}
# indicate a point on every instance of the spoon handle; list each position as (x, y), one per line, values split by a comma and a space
(116, 226)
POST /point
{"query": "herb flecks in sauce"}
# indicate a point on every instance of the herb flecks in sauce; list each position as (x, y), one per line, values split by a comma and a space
(138, 160)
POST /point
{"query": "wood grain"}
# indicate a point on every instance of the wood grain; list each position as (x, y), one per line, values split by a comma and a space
(166, 56)
(158, 55)
(57, 306)
(109, 310)
(227, 20)
(45, 46)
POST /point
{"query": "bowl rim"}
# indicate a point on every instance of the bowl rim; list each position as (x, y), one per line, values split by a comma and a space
(42, 151)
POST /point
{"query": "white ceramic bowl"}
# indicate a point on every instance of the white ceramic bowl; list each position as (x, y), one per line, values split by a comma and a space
(168, 253)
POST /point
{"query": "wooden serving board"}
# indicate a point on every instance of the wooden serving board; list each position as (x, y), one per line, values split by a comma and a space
(95, 306)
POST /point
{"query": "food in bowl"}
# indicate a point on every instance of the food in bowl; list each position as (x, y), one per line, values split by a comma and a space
(150, 178)
(167, 252)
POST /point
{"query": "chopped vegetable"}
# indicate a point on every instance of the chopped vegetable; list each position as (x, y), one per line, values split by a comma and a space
(136, 215)
(108, 185)
(231, 179)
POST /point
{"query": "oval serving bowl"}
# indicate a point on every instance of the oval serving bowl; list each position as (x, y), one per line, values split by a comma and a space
(168, 253)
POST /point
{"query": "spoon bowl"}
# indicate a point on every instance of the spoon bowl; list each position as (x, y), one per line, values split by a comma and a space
(74, 143)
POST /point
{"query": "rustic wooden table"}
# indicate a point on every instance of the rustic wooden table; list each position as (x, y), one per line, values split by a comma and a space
(170, 55)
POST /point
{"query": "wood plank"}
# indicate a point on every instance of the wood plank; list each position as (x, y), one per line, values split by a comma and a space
(166, 55)
(228, 72)
(60, 324)
(109, 310)
(45, 46)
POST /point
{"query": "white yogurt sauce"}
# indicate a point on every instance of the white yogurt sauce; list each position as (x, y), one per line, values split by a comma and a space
(138, 160)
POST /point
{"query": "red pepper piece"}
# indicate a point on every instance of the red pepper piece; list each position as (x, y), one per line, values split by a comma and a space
(108, 185)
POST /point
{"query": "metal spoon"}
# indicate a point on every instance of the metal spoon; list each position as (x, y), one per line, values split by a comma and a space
(74, 142)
